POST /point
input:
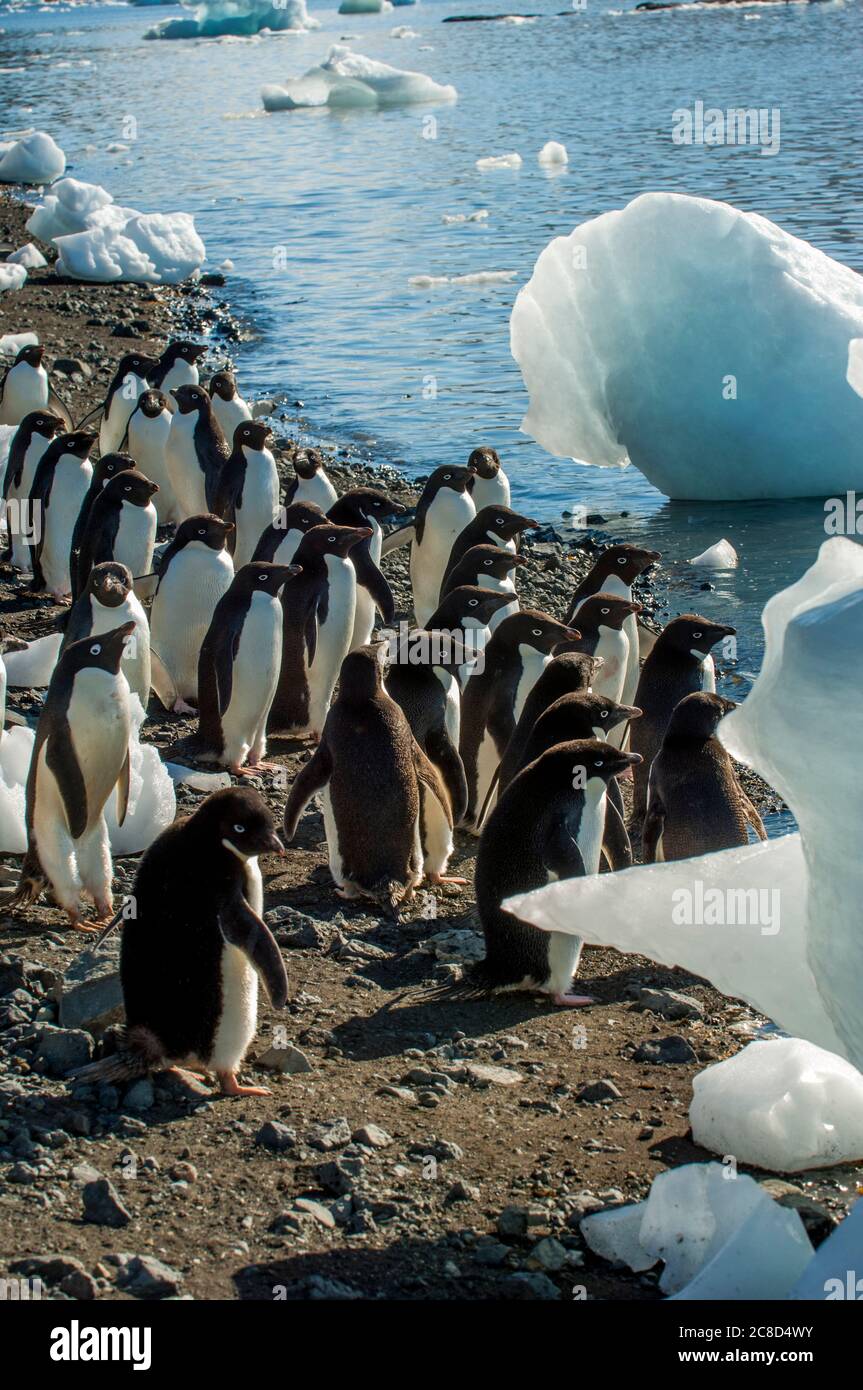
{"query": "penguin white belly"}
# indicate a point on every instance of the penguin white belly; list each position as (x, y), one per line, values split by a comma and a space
(287, 548)
(183, 467)
(591, 830)
(68, 490)
(491, 492)
(446, 518)
(136, 658)
(230, 413)
(136, 536)
(506, 612)
(564, 953)
(98, 714)
(20, 495)
(476, 639)
(25, 389)
(708, 674)
(114, 423)
(260, 503)
(182, 373)
(181, 614)
(254, 679)
(337, 868)
(238, 1020)
(435, 834)
(620, 589)
(318, 489)
(533, 663)
(148, 442)
(452, 709)
(364, 619)
(613, 648)
(334, 639)
(54, 844)
(486, 766)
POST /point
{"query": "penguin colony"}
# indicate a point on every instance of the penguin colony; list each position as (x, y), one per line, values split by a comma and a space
(257, 614)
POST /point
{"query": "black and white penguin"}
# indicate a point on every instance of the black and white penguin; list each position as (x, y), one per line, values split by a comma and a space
(280, 540)
(199, 904)
(128, 384)
(310, 482)
(108, 601)
(491, 526)
(81, 753)
(569, 673)
(368, 506)
(695, 803)
(548, 825)
(25, 387)
(146, 439)
(615, 571)
(177, 366)
(679, 664)
(60, 485)
(386, 810)
(247, 492)
(319, 608)
(196, 452)
(229, 407)
(491, 485)
(443, 511)
(26, 448)
(494, 697)
(108, 466)
(238, 669)
(194, 573)
(489, 566)
(602, 622)
(121, 526)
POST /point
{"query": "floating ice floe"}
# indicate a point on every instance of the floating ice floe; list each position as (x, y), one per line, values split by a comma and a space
(721, 556)
(29, 256)
(784, 1105)
(500, 161)
(403, 31)
(854, 372)
(449, 219)
(12, 277)
(477, 277)
(775, 923)
(216, 18)
(34, 159)
(348, 79)
(553, 152)
(703, 344)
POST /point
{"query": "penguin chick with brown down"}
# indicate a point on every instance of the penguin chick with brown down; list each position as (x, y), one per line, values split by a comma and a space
(387, 813)
(695, 804)
(192, 955)
(548, 825)
(679, 664)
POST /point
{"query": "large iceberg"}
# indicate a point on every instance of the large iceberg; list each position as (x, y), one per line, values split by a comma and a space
(776, 924)
(349, 79)
(703, 344)
(34, 159)
(216, 18)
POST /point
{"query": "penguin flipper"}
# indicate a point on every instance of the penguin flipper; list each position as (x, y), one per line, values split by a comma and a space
(489, 796)
(123, 789)
(753, 817)
(61, 759)
(371, 579)
(161, 680)
(561, 854)
(446, 757)
(312, 777)
(145, 586)
(403, 536)
(616, 845)
(57, 406)
(654, 824)
(243, 928)
(432, 780)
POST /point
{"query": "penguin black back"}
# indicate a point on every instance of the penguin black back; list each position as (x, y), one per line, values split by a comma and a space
(103, 523)
(491, 526)
(103, 469)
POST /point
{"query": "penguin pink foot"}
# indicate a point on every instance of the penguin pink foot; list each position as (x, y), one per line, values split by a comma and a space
(230, 1086)
(180, 707)
(77, 922)
(573, 1001)
(445, 878)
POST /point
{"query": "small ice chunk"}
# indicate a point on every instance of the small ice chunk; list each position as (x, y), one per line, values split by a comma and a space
(32, 667)
(29, 256)
(477, 277)
(785, 1105)
(117, 147)
(836, 1270)
(12, 343)
(347, 79)
(449, 219)
(721, 556)
(690, 1214)
(762, 1259)
(34, 159)
(553, 152)
(403, 31)
(12, 277)
(614, 1235)
(854, 374)
(198, 781)
(500, 161)
(227, 265)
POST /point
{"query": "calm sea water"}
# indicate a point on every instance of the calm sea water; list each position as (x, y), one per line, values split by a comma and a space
(357, 199)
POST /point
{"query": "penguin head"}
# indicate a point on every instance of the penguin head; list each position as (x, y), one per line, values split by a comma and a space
(32, 355)
(132, 487)
(626, 561)
(692, 634)
(503, 523)
(697, 716)
(493, 560)
(110, 583)
(484, 462)
(42, 423)
(588, 709)
(208, 529)
(307, 462)
(252, 434)
(236, 819)
(136, 364)
(104, 652)
(192, 400)
(223, 385)
(362, 673)
(301, 516)
(151, 404)
(447, 476)
(570, 671)
(263, 577)
(605, 610)
(532, 628)
(591, 758)
(361, 505)
(180, 351)
(109, 465)
(468, 606)
(77, 442)
(331, 540)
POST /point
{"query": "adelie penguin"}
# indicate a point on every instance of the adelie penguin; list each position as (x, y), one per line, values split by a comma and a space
(548, 825)
(177, 366)
(60, 485)
(679, 664)
(614, 572)
(198, 898)
(280, 540)
(247, 493)
(146, 439)
(387, 814)
(569, 673)
(81, 753)
(106, 467)
(310, 482)
(29, 443)
(602, 622)
(494, 696)
(367, 506)
(490, 485)
(128, 384)
(25, 387)
(195, 572)
(229, 407)
(108, 601)
(319, 609)
(491, 526)
(239, 666)
(490, 567)
(197, 451)
(121, 526)
(695, 804)
(444, 509)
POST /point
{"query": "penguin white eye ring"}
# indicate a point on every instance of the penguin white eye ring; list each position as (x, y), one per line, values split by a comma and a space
(332, 538)
(621, 559)
(696, 634)
(202, 531)
(499, 521)
(446, 477)
(487, 564)
(472, 602)
(536, 631)
(605, 610)
(240, 829)
(603, 714)
(95, 649)
(262, 578)
(598, 762)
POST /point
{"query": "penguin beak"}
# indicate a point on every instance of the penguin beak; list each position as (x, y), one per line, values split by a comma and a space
(274, 844)
(570, 634)
(632, 711)
(518, 560)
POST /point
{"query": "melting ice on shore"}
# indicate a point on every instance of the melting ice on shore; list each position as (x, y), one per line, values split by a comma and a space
(703, 344)
(99, 240)
(791, 944)
(152, 800)
(216, 18)
(349, 79)
(36, 158)
(12, 276)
